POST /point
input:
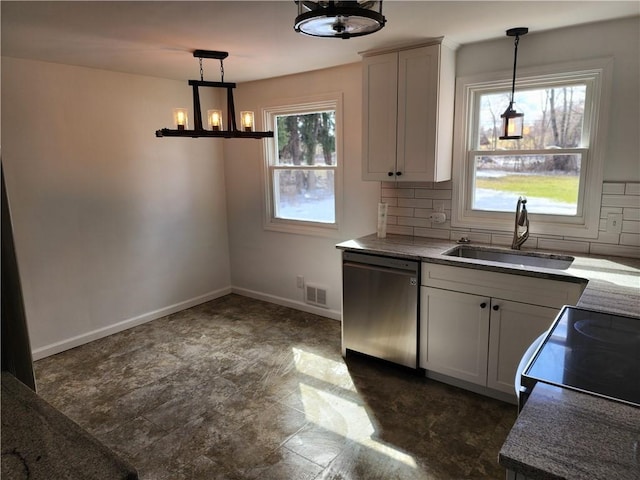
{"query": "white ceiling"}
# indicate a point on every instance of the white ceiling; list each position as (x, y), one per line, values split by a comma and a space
(157, 38)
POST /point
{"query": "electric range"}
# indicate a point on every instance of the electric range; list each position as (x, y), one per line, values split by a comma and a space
(589, 351)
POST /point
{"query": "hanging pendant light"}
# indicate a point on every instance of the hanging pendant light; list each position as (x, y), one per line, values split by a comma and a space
(214, 117)
(512, 121)
(336, 19)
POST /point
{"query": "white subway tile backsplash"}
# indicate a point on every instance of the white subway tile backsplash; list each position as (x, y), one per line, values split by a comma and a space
(414, 222)
(399, 230)
(629, 226)
(431, 233)
(613, 188)
(602, 226)
(398, 192)
(630, 239)
(604, 211)
(446, 225)
(475, 237)
(498, 239)
(400, 212)
(621, 201)
(567, 245)
(631, 214)
(615, 250)
(437, 194)
(604, 237)
(422, 212)
(632, 188)
(415, 202)
(411, 203)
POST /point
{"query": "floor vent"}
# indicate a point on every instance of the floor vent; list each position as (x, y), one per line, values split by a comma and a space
(316, 295)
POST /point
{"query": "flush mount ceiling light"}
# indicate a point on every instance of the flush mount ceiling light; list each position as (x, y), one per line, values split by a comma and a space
(214, 117)
(512, 121)
(324, 18)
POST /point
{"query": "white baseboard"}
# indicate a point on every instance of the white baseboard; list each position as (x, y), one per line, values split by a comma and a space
(285, 302)
(76, 341)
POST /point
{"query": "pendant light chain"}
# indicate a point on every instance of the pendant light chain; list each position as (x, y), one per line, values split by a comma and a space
(201, 70)
(221, 71)
(515, 60)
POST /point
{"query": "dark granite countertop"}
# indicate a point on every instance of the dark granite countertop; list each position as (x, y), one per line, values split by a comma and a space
(40, 443)
(560, 433)
(564, 434)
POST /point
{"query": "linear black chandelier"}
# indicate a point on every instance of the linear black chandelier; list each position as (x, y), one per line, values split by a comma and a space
(214, 117)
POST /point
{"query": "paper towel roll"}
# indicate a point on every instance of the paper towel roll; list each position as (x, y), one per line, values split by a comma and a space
(382, 219)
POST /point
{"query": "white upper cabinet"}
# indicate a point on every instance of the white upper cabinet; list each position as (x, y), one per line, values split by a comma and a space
(408, 113)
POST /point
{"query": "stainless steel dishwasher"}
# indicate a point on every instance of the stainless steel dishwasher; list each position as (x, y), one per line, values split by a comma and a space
(380, 307)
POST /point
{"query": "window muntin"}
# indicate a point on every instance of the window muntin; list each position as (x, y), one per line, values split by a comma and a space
(475, 148)
(303, 167)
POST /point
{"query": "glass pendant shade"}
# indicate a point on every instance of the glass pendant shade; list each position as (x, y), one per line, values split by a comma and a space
(339, 19)
(214, 119)
(181, 118)
(512, 124)
(247, 121)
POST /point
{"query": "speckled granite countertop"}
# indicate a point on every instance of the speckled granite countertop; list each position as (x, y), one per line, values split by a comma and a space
(40, 443)
(560, 433)
(612, 283)
(563, 434)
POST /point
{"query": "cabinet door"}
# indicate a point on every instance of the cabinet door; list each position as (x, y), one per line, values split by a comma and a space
(454, 334)
(417, 112)
(514, 326)
(380, 105)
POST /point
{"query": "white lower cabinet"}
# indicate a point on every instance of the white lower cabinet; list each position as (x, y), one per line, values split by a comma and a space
(454, 334)
(513, 327)
(475, 325)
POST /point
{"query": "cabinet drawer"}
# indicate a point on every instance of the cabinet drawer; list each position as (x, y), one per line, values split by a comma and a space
(519, 288)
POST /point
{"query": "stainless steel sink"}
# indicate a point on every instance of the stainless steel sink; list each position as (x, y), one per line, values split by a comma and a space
(543, 260)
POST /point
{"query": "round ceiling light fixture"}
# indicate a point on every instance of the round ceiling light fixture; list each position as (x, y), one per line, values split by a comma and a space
(335, 19)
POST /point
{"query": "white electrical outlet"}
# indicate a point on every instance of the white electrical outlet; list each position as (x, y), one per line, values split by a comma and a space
(614, 223)
(300, 281)
(438, 217)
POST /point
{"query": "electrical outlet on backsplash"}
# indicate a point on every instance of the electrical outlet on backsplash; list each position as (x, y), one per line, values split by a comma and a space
(412, 203)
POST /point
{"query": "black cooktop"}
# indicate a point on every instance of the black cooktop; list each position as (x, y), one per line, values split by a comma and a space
(590, 351)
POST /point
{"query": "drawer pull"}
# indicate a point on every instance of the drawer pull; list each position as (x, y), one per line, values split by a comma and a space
(496, 307)
(483, 305)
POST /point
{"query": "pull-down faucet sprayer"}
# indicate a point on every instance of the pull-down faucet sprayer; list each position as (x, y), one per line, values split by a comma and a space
(522, 220)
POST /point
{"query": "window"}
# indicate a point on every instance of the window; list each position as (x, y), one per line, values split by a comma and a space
(303, 166)
(557, 164)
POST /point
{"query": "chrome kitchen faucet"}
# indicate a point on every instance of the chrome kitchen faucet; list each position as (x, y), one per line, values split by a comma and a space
(522, 220)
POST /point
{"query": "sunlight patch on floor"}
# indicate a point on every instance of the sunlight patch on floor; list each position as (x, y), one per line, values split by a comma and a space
(337, 414)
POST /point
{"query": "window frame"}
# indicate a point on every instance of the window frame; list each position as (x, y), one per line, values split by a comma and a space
(597, 73)
(303, 105)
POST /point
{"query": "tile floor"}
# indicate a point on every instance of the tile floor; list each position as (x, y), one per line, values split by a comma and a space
(242, 389)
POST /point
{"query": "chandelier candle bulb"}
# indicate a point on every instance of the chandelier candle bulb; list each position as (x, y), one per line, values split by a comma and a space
(247, 121)
(181, 118)
(215, 119)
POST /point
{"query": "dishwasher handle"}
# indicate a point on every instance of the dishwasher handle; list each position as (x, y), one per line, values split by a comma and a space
(378, 268)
